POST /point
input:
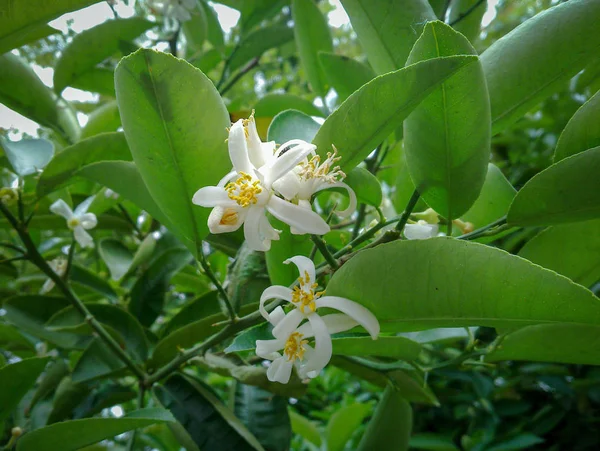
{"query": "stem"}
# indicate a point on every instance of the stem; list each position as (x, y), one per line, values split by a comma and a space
(320, 243)
(485, 230)
(213, 278)
(412, 202)
(359, 220)
(140, 405)
(12, 246)
(36, 258)
(247, 68)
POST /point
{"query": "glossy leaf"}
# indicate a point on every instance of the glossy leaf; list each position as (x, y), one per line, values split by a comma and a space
(67, 396)
(210, 424)
(265, 415)
(62, 168)
(28, 156)
(343, 424)
(572, 250)
(536, 59)
(387, 29)
(345, 74)
(582, 131)
(16, 379)
(96, 361)
(561, 343)
(272, 104)
(365, 186)
(292, 124)
(369, 115)
(166, 105)
(565, 192)
(449, 281)
(305, 428)
(391, 424)
(98, 79)
(116, 256)
(312, 35)
(94, 45)
(12, 340)
(465, 17)
(258, 42)
(103, 119)
(22, 91)
(397, 347)
(197, 309)
(447, 136)
(75, 434)
(90, 279)
(55, 372)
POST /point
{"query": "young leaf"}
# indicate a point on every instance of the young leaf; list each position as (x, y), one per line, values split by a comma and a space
(344, 74)
(343, 423)
(175, 123)
(582, 131)
(76, 434)
(391, 424)
(535, 59)
(447, 136)
(456, 283)
(369, 115)
(292, 124)
(27, 156)
(387, 29)
(312, 36)
(94, 45)
(16, 379)
(565, 192)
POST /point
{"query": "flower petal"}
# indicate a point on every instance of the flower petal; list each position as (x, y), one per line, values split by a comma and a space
(420, 231)
(61, 208)
(335, 322)
(323, 348)
(88, 220)
(288, 185)
(82, 208)
(280, 370)
(351, 196)
(276, 315)
(288, 324)
(268, 349)
(274, 292)
(283, 164)
(48, 285)
(215, 219)
(301, 219)
(304, 264)
(82, 237)
(238, 148)
(361, 314)
(259, 153)
(267, 230)
(227, 178)
(255, 240)
(213, 196)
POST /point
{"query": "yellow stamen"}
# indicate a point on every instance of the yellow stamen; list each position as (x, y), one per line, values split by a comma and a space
(230, 217)
(294, 346)
(244, 190)
(326, 171)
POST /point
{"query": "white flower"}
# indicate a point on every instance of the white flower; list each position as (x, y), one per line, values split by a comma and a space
(59, 266)
(421, 230)
(307, 302)
(245, 195)
(78, 221)
(312, 176)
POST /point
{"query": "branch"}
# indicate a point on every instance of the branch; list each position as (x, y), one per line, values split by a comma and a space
(412, 202)
(247, 68)
(213, 278)
(322, 246)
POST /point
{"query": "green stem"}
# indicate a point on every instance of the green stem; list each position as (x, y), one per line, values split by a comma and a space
(213, 278)
(412, 202)
(485, 230)
(36, 258)
(247, 68)
(362, 209)
(322, 246)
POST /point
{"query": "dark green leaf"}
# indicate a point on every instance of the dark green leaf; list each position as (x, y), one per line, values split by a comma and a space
(214, 32)
(396, 347)
(198, 309)
(344, 74)
(16, 379)
(56, 371)
(12, 340)
(522, 441)
(286, 247)
(432, 442)
(116, 256)
(97, 361)
(292, 124)
(84, 276)
(68, 395)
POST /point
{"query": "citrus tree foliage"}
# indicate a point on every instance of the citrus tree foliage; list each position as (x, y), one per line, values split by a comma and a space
(437, 178)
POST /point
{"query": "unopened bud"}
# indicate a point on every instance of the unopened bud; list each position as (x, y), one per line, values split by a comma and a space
(16, 432)
(429, 216)
(9, 196)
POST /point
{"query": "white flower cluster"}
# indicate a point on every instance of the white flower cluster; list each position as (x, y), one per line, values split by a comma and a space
(266, 178)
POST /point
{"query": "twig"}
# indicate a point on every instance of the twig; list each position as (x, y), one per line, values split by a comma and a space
(320, 243)
(412, 202)
(362, 209)
(485, 230)
(247, 68)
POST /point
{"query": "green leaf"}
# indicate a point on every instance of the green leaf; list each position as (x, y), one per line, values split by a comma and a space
(214, 32)
(561, 343)
(432, 442)
(12, 340)
(246, 340)
(272, 104)
(450, 279)
(292, 124)
(257, 43)
(127, 327)
(466, 15)
(84, 276)
(52, 222)
(572, 250)
(30, 313)
(582, 131)
(494, 200)
(391, 423)
(16, 379)
(27, 156)
(265, 415)
(521, 441)
(195, 29)
(345, 74)
(148, 293)
(387, 29)
(536, 59)
(143, 253)
(365, 185)
(116, 256)
(22, 91)
(369, 115)
(286, 247)
(312, 35)
(28, 37)
(565, 192)
(98, 79)
(68, 395)
(305, 428)
(177, 103)
(20, 19)
(446, 137)
(75, 434)
(397, 347)
(55, 372)
(97, 361)
(247, 277)
(209, 423)
(103, 119)
(61, 170)
(202, 307)
(343, 423)
(93, 46)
